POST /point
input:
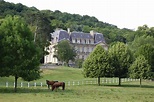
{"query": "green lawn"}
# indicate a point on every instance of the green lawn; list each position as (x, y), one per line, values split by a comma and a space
(128, 92)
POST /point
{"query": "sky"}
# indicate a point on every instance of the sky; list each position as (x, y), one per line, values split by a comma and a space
(122, 13)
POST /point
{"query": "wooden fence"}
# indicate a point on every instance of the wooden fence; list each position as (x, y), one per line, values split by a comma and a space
(68, 83)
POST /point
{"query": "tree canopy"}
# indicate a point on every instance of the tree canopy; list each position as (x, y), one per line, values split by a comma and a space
(121, 58)
(97, 64)
(65, 51)
(19, 54)
(140, 68)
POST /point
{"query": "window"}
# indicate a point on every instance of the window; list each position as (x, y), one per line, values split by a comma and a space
(83, 57)
(89, 41)
(85, 49)
(82, 49)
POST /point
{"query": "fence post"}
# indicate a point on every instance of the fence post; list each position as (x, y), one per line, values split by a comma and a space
(35, 84)
(41, 84)
(21, 84)
(14, 84)
(73, 83)
(7, 84)
(28, 84)
(78, 83)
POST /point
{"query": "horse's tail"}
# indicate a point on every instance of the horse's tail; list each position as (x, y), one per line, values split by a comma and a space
(63, 85)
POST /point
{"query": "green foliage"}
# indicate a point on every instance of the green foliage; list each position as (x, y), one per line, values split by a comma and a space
(78, 63)
(147, 51)
(121, 58)
(97, 64)
(65, 51)
(138, 41)
(145, 30)
(140, 68)
(19, 54)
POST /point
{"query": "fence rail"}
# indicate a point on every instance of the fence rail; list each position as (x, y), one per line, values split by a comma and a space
(68, 83)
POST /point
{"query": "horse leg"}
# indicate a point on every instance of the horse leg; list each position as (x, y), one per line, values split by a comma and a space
(56, 89)
(63, 86)
(53, 87)
(48, 86)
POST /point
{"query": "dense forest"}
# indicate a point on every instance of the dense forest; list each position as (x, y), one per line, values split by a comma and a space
(45, 21)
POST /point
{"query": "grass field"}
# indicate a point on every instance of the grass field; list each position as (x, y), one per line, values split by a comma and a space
(128, 92)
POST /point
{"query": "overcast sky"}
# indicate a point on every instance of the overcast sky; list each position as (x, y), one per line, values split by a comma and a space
(123, 13)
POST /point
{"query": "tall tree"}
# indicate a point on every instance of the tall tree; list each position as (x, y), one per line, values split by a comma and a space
(121, 59)
(19, 54)
(97, 64)
(147, 51)
(65, 51)
(140, 69)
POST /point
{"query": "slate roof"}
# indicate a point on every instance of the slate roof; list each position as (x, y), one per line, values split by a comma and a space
(59, 35)
(99, 38)
(81, 35)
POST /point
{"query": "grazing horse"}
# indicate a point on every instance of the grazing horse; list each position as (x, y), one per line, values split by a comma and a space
(50, 83)
(58, 84)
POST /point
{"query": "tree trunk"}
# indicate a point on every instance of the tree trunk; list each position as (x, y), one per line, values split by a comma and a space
(119, 81)
(140, 82)
(99, 81)
(15, 88)
(67, 63)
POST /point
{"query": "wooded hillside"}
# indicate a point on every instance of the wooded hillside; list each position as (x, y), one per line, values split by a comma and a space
(45, 21)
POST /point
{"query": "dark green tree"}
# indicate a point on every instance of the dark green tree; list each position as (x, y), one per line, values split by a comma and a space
(97, 64)
(140, 69)
(121, 58)
(65, 51)
(19, 54)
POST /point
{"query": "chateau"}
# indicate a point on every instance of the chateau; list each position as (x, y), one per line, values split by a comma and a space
(84, 43)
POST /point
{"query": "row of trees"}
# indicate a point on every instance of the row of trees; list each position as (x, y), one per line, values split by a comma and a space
(119, 62)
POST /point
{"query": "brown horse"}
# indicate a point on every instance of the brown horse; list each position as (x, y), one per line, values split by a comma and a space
(50, 83)
(58, 84)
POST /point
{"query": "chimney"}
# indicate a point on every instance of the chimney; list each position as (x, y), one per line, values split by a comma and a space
(92, 33)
